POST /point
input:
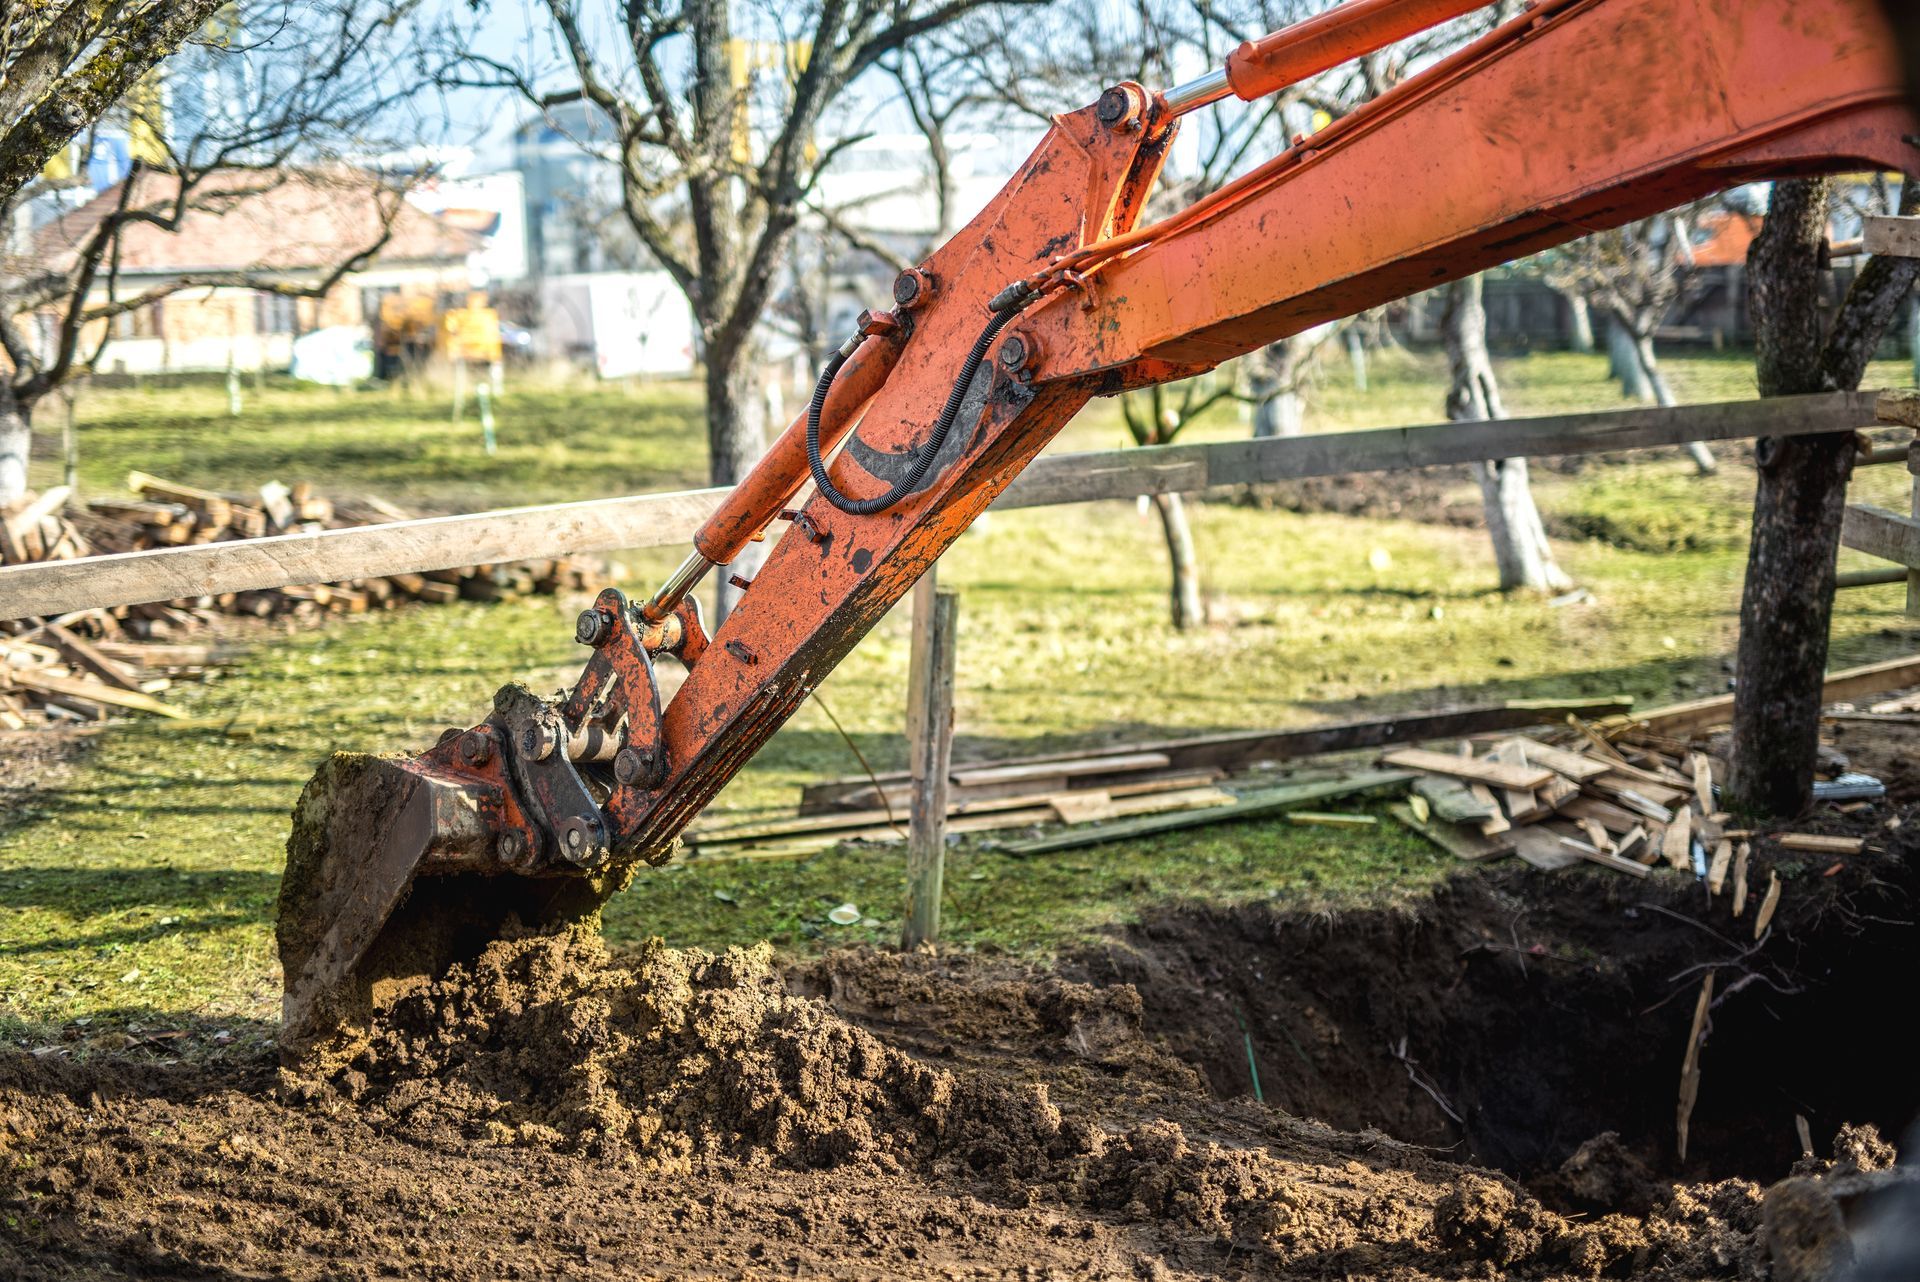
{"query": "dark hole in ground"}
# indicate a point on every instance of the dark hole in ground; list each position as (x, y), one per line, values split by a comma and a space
(1511, 1018)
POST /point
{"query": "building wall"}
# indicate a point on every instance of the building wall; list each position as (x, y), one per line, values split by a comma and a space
(209, 330)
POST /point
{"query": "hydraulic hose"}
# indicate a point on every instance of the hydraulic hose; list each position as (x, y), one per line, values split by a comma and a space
(1010, 304)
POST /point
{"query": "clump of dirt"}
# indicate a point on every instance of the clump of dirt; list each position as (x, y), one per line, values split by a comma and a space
(675, 1058)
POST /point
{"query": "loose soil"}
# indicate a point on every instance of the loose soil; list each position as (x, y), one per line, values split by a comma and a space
(1478, 1085)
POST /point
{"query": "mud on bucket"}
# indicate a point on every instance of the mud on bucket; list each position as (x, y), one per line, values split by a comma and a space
(371, 905)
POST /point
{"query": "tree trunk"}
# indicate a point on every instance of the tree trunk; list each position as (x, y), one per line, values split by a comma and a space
(1520, 547)
(16, 442)
(1623, 361)
(1663, 396)
(1187, 609)
(736, 437)
(1787, 604)
(1279, 406)
(1801, 494)
(1579, 322)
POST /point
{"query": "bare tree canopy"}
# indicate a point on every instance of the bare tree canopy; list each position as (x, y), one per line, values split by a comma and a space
(263, 120)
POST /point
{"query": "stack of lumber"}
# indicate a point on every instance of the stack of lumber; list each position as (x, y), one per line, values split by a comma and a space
(46, 676)
(165, 514)
(51, 673)
(34, 529)
(1627, 806)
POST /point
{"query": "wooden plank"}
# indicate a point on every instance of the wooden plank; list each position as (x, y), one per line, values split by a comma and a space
(1817, 844)
(1844, 686)
(1898, 405)
(1880, 532)
(1082, 807)
(986, 776)
(1244, 747)
(1767, 905)
(1891, 234)
(1327, 819)
(92, 692)
(657, 520)
(1605, 860)
(936, 622)
(1456, 839)
(84, 653)
(1573, 765)
(1267, 804)
(1615, 819)
(1183, 469)
(287, 560)
(1539, 846)
(1497, 773)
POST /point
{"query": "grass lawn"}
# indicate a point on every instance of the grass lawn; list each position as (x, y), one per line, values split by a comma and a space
(138, 886)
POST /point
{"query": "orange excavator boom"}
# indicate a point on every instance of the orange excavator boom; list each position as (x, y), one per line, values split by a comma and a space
(1578, 115)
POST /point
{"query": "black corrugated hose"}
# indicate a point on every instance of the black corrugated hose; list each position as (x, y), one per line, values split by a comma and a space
(1012, 304)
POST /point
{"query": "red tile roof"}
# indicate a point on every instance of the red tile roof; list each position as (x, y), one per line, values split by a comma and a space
(243, 220)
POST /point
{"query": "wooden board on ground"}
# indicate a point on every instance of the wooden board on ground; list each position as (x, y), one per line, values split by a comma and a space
(1267, 804)
(1248, 747)
(1681, 719)
(1456, 839)
(1540, 847)
(1496, 773)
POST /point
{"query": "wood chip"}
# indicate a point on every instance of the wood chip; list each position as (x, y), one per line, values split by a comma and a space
(1326, 819)
(1767, 905)
(1717, 868)
(1690, 1067)
(1702, 782)
(1740, 877)
(1818, 844)
(1677, 843)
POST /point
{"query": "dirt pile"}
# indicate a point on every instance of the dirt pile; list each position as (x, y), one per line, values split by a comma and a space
(673, 1058)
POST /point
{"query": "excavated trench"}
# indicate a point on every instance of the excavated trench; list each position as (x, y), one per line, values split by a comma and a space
(1509, 1021)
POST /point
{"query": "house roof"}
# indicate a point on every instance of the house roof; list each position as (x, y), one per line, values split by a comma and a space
(290, 220)
(1722, 237)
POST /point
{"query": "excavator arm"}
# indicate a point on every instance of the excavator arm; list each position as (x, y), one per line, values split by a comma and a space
(1577, 116)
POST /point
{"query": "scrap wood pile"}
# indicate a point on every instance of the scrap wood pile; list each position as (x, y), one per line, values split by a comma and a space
(42, 672)
(1631, 804)
(1120, 791)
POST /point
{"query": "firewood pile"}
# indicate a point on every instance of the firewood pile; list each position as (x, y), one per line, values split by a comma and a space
(84, 664)
(1630, 805)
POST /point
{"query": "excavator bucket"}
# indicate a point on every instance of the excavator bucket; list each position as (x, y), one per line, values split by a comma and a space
(382, 894)
(399, 867)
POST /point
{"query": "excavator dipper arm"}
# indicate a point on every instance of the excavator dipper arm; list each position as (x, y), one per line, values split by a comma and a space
(1577, 116)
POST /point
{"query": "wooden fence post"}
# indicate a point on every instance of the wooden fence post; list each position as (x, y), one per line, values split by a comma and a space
(1913, 575)
(936, 614)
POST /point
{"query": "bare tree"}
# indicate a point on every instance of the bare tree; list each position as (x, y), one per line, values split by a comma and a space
(1520, 546)
(1787, 605)
(1157, 416)
(268, 105)
(717, 167)
(1635, 274)
(63, 63)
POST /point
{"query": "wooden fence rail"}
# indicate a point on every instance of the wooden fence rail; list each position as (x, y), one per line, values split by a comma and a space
(669, 520)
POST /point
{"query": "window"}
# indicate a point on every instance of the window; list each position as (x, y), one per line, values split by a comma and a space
(141, 322)
(275, 314)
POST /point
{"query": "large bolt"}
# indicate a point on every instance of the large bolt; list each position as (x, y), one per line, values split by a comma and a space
(1016, 352)
(1119, 107)
(911, 288)
(593, 628)
(631, 766)
(579, 844)
(537, 742)
(512, 846)
(476, 748)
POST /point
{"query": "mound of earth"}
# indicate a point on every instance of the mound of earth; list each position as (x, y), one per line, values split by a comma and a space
(554, 1110)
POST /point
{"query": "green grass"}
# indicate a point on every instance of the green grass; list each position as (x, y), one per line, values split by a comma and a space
(138, 888)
